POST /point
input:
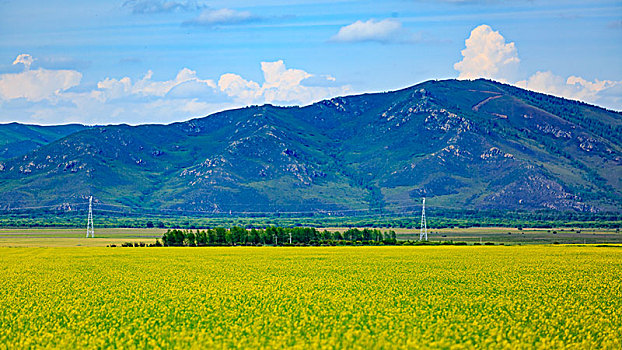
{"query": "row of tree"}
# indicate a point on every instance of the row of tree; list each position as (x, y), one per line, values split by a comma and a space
(275, 236)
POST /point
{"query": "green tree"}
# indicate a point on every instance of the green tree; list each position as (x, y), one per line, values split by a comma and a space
(238, 235)
(211, 237)
(201, 237)
(271, 235)
(178, 237)
(221, 235)
(190, 239)
(254, 234)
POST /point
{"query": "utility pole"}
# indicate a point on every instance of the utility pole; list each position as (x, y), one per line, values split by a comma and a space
(423, 231)
(89, 221)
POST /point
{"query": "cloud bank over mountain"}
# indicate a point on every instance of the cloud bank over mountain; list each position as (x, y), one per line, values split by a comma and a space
(44, 96)
(488, 55)
(54, 90)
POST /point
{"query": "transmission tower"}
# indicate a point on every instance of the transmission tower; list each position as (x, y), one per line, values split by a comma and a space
(423, 232)
(89, 222)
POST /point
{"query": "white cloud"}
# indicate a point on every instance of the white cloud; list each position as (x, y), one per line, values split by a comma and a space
(36, 85)
(187, 95)
(224, 16)
(193, 88)
(385, 31)
(239, 88)
(281, 85)
(111, 88)
(487, 55)
(83, 108)
(371, 30)
(576, 88)
(24, 59)
(44, 96)
(50, 99)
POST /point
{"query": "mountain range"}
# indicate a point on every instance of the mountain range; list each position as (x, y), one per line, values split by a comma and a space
(474, 144)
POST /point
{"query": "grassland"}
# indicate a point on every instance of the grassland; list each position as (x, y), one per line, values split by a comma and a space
(336, 297)
(512, 235)
(59, 237)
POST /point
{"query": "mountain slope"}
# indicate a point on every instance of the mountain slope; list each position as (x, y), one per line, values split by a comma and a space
(462, 144)
(18, 139)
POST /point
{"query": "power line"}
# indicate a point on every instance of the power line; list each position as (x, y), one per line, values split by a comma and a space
(131, 210)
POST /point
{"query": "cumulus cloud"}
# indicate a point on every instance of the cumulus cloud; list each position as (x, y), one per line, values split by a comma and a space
(386, 31)
(237, 87)
(487, 55)
(144, 100)
(371, 30)
(224, 16)
(45, 96)
(24, 59)
(49, 96)
(36, 85)
(194, 96)
(111, 88)
(281, 85)
(601, 92)
(160, 6)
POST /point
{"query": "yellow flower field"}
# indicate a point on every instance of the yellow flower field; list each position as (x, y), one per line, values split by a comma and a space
(335, 297)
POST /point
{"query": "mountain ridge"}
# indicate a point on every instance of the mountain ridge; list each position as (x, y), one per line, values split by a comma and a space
(479, 144)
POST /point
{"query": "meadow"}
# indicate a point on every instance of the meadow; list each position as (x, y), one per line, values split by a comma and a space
(330, 297)
(74, 237)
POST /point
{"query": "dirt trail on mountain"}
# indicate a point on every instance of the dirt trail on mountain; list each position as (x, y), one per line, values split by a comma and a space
(477, 106)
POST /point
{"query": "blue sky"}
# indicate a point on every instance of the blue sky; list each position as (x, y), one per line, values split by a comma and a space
(151, 61)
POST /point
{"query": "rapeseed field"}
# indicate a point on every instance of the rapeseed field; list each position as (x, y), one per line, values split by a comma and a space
(333, 297)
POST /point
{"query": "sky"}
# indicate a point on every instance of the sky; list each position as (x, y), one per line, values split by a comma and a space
(161, 61)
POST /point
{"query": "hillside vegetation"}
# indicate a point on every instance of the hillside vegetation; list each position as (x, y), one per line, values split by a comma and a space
(18, 139)
(462, 144)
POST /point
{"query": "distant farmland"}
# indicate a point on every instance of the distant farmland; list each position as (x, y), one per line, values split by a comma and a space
(60, 237)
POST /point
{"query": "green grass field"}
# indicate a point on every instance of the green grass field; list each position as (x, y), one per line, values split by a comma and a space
(537, 296)
(512, 235)
(59, 237)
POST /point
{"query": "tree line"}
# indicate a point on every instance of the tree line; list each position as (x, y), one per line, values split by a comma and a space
(437, 218)
(276, 236)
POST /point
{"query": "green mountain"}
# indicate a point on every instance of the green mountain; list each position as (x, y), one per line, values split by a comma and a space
(461, 144)
(18, 139)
